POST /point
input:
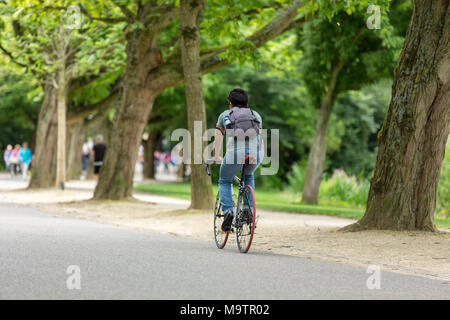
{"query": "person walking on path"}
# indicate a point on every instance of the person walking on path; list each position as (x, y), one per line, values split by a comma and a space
(85, 160)
(6, 155)
(25, 158)
(98, 155)
(14, 160)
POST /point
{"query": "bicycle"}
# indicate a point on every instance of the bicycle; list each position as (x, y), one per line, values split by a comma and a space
(244, 221)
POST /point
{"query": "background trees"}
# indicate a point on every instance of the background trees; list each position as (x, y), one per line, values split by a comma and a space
(312, 69)
(39, 37)
(339, 55)
(412, 140)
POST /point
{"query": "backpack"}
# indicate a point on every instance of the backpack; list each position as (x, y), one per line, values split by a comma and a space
(243, 120)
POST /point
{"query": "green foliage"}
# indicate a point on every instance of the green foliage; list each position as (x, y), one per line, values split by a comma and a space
(361, 115)
(19, 108)
(341, 188)
(36, 32)
(281, 102)
(344, 39)
(296, 178)
(443, 195)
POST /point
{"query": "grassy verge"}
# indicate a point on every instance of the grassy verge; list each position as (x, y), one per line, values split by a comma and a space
(273, 200)
(269, 200)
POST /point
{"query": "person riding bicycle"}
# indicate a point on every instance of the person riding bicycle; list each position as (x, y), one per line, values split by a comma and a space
(242, 126)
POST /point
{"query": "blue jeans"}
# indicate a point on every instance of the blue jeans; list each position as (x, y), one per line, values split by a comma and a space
(231, 165)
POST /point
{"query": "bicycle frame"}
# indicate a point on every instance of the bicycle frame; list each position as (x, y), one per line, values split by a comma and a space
(240, 182)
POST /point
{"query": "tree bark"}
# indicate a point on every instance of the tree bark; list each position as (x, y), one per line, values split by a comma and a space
(44, 162)
(190, 12)
(145, 77)
(61, 138)
(75, 140)
(150, 147)
(412, 140)
(317, 153)
(135, 103)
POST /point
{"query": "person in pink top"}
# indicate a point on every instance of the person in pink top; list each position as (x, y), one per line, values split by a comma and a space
(14, 160)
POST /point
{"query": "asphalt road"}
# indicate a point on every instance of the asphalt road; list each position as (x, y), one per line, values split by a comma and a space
(37, 248)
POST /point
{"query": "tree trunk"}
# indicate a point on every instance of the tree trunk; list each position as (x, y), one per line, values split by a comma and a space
(61, 138)
(146, 76)
(135, 103)
(181, 173)
(190, 11)
(317, 153)
(150, 147)
(75, 140)
(44, 162)
(411, 143)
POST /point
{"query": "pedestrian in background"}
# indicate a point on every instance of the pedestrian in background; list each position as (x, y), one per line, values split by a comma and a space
(25, 158)
(6, 155)
(98, 154)
(85, 160)
(14, 160)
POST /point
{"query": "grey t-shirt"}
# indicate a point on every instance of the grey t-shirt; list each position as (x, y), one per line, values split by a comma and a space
(252, 143)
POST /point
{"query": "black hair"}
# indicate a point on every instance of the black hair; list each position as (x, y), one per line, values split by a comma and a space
(238, 97)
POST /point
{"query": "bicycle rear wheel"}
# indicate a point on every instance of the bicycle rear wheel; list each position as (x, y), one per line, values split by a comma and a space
(220, 236)
(245, 221)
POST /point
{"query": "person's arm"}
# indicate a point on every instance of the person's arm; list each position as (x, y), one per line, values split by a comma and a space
(218, 140)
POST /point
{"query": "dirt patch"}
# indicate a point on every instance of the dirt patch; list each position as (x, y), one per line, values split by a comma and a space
(312, 236)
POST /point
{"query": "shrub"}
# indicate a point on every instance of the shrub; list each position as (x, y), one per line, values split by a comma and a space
(443, 194)
(296, 178)
(343, 188)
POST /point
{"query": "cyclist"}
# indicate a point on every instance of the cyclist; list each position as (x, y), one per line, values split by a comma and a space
(242, 126)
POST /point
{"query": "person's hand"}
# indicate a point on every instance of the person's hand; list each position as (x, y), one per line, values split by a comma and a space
(217, 159)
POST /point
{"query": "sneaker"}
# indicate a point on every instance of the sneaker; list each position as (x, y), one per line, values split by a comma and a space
(227, 221)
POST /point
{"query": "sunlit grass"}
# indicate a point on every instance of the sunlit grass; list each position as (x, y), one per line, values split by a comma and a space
(273, 200)
(266, 199)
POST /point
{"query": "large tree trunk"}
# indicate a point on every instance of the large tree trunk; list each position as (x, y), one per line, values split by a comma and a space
(150, 147)
(190, 11)
(412, 140)
(61, 138)
(75, 140)
(316, 159)
(44, 162)
(145, 77)
(116, 175)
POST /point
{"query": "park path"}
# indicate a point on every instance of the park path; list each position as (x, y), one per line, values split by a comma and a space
(118, 263)
(300, 235)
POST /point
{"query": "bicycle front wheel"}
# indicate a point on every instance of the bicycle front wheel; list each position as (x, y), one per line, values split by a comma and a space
(245, 221)
(220, 236)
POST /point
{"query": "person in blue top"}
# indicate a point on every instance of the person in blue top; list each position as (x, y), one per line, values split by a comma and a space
(25, 158)
(238, 117)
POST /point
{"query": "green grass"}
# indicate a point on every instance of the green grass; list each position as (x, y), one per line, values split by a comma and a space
(273, 200)
(269, 200)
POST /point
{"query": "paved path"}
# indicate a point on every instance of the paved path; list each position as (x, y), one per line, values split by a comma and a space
(37, 248)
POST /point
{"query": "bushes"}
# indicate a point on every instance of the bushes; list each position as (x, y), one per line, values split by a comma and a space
(343, 188)
(338, 189)
(296, 178)
(443, 194)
